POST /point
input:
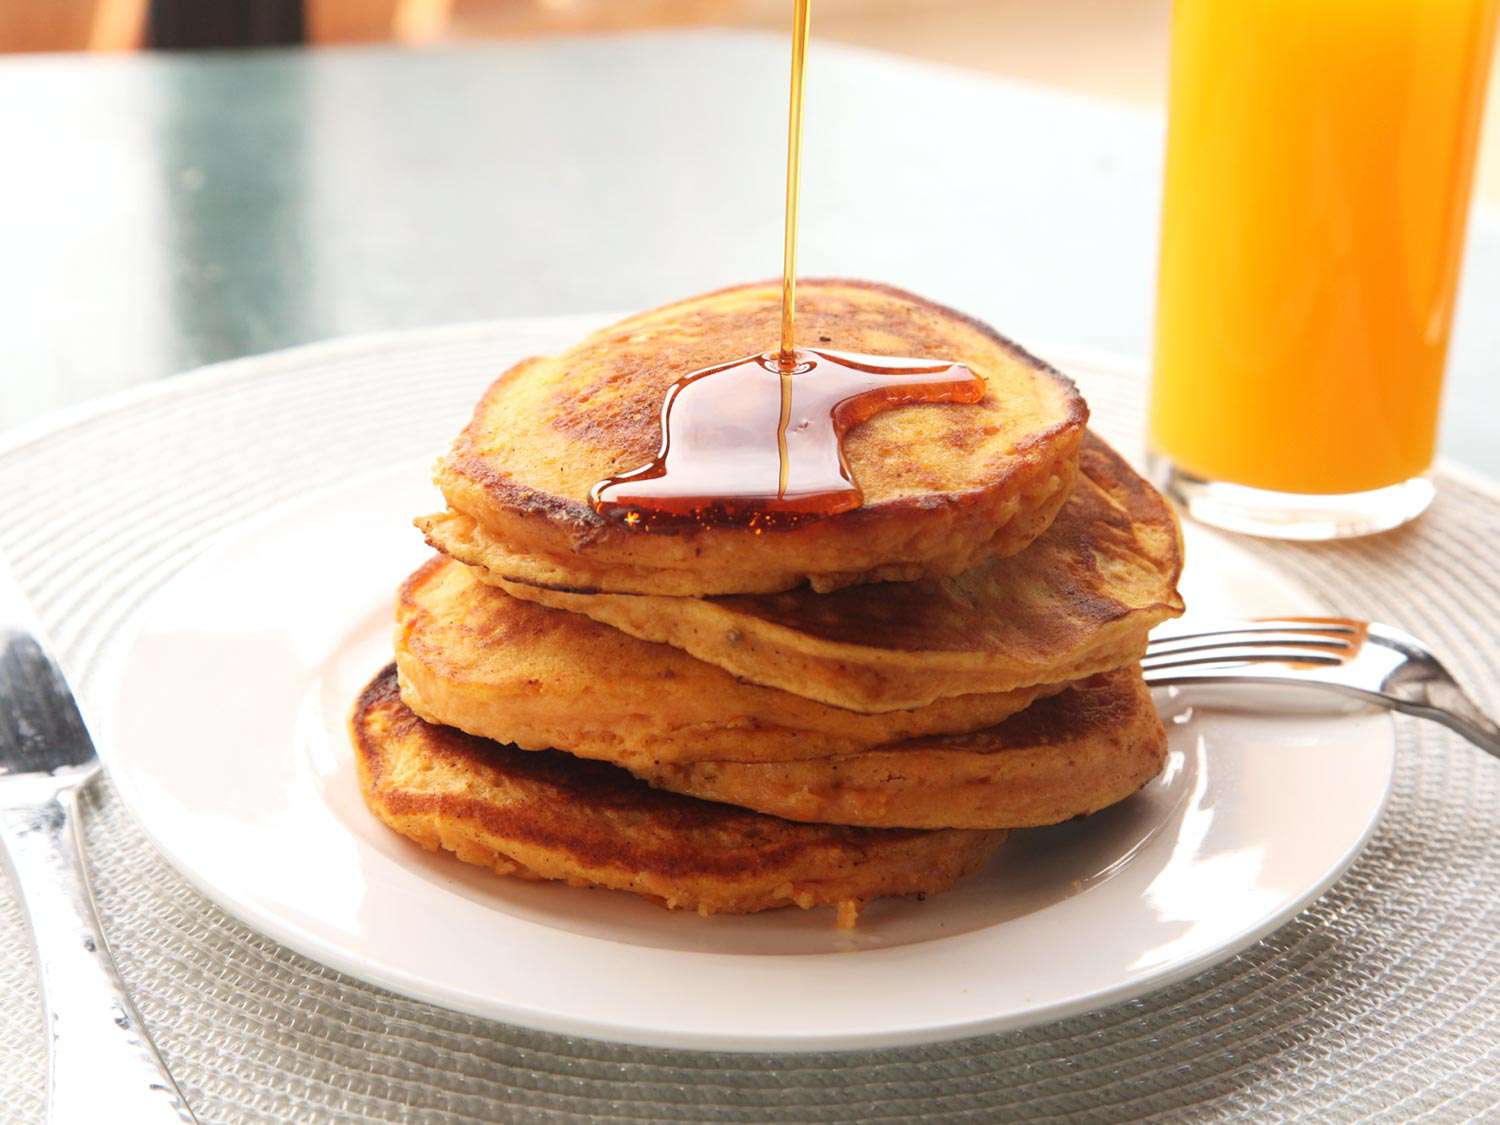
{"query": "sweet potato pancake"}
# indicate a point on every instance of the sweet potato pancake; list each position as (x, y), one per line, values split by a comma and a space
(946, 486)
(472, 657)
(1079, 600)
(1072, 753)
(551, 816)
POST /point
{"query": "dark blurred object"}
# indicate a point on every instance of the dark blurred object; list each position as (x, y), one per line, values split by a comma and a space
(189, 24)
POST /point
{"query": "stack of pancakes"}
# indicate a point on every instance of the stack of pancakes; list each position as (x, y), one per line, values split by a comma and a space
(731, 719)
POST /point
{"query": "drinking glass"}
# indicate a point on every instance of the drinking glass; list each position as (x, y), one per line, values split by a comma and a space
(1320, 157)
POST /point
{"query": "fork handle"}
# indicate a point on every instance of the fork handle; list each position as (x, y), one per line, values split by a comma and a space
(102, 1065)
(1447, 704)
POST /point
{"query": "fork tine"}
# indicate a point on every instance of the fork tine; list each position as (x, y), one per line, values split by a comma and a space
(1318, 626)
(1330, 653)
(1237, 654)
(1166, 645)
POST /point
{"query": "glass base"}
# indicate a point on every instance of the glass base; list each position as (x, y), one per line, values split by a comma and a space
(1291, 515)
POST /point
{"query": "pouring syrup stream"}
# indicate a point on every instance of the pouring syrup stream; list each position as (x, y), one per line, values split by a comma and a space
(716, 466)
(788, 357)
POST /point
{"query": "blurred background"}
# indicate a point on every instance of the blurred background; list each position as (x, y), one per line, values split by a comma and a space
(1112, 48)
(1122, 42)
(188, 196)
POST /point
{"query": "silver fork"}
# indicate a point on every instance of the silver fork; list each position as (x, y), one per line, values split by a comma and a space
(102, 1063)
(1376, 663)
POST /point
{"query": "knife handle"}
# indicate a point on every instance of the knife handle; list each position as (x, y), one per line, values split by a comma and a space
(102, 1065)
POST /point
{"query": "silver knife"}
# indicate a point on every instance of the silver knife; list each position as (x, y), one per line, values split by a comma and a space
(102, 1065)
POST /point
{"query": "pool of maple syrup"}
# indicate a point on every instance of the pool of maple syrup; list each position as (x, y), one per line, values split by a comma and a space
(755, 443)
(758, 441)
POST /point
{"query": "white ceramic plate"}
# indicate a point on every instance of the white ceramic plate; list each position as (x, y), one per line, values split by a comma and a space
(225, 735)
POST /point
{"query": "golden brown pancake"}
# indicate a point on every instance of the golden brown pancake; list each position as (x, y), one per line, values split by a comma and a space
(946, 486)
(1070, 754)
(472, 657)
(546, 815)
(1079, 600)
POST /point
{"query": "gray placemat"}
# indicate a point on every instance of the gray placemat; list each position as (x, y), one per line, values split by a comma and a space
(1378, 1002)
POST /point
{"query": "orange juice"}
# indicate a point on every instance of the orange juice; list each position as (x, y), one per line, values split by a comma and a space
(1320, 155)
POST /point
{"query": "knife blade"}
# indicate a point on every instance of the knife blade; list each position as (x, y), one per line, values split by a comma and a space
(41, 728)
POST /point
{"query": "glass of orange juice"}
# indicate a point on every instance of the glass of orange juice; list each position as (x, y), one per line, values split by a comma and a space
(1320, 156)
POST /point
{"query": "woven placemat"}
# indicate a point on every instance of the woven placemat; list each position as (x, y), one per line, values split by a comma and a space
(1380, 1001)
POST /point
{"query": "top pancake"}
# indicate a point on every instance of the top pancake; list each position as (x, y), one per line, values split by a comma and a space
(946, 486)
(1079, 600)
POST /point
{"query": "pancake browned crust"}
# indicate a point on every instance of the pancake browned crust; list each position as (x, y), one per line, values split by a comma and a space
(551, 816)
(470, 656)
(1079, 600)
(1071, 754)
(946, 486)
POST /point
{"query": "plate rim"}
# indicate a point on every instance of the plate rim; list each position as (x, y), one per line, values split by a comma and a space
(328, 954)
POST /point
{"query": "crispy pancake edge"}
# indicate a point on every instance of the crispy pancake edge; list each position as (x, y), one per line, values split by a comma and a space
(550, 816)
(1069, 755)
(470, 656)
(1016, 522)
